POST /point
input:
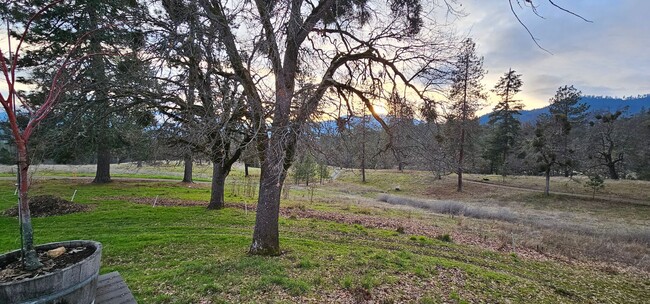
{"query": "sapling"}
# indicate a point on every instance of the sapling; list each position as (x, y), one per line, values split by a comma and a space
(36, 113)
(595, 183)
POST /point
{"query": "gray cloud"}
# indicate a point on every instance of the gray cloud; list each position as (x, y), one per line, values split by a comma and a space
(608, 56)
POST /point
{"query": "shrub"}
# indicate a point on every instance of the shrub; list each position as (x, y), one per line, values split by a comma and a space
(444, 237)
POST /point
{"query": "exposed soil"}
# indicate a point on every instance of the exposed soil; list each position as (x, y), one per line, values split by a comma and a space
(13, 270)
(49, 205)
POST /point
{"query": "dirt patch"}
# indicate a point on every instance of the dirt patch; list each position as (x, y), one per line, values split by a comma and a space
(13, 270)
(49, 205)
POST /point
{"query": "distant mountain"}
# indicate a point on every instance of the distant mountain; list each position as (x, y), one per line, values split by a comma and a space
(596, 104)
(330, 126)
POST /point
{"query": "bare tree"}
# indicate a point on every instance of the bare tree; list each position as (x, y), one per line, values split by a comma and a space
(607, 144)
(546, 146)
(350, 47)
(211, 115)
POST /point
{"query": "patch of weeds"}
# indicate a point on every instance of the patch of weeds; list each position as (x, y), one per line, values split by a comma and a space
(456, 297)
(317, 280)
(427, 300)
(369, 281)
(563, 292)
(400, 230)
(293, 286)
(514, 257)
(307, 264)
(360, 229)
(444, 238)
(347, 282)
(420, 272)
(365, 211)
(420, 239)
(212, 288)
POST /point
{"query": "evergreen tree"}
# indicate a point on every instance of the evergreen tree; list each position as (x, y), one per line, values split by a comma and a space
(466, 94)
(305, 169)
(567, 112)
(90, 117)
(504, 120)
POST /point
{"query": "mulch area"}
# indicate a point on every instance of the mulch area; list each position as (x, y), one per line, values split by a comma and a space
(49, 205)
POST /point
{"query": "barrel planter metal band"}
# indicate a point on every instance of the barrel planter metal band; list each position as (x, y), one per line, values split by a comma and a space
(73, 284)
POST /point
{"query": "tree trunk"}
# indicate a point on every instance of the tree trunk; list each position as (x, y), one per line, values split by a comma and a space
(548, 182)
(30, 258)
(246, 170)
(363, 148)
(612, 170)
(100, 82)
(103, 173)
(219, 175)
(266, 240)
(187, 172)
(461, 157)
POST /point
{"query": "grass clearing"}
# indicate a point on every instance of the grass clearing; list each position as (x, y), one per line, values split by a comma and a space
(191, 255)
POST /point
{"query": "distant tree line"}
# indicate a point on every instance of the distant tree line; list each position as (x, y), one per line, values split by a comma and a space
(568, 140)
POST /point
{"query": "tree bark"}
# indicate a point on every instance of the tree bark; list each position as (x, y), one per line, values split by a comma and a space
(246, 170)
(98, 73)
(363, 148)
(219, 174)
(187, 172)
(461, 157)
(103, 173)
(266, 240)
(611, 166)
(30, 258)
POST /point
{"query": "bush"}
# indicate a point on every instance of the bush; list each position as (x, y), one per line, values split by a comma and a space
(444, 237)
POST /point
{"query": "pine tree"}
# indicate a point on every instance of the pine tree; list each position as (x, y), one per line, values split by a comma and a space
(466, 95)
(91, 117)
(567, 112)
(504, 120)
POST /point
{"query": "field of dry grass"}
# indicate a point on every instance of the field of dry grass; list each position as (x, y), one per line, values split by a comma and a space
(603, 229)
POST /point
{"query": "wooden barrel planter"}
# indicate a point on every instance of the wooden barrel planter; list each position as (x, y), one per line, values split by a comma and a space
(71, 285)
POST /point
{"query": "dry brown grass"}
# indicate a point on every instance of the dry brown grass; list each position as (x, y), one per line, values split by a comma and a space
(622, 189)
(577, 228)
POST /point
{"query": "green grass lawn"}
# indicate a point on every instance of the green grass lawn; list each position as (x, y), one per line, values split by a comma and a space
(191, 255)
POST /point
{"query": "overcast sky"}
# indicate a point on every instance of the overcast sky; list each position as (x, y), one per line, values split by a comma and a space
(610, 56)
